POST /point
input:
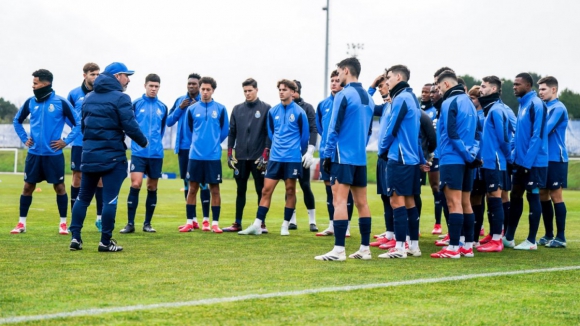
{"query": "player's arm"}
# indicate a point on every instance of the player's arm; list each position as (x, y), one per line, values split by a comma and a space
(164, 121)
(174, 114)
(319, 127)
(555, 118)
(128, 121)
(233, 129)
(456, 141)
(538, 115)
(398, 112)
(224, 124)
(72, 116)
(21, 115)
(336, 119)
(428, 132)
(304, 131)
(311, 114)
(265, 130)
(500, 124)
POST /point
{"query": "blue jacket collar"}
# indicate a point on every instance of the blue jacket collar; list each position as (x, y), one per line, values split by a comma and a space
(527, 98)
(197, 98)
(552, 102)
(454, 91)
(353, 84)
(150, 99)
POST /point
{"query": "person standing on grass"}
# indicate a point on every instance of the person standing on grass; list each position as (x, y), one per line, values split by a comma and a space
(248, 135)
(345, 158)
(183, 138)
(45, 161)
(151, 115)
(557, 178)
(76, 97)
(107, 118)
(433, 174)
(530, 157)
(288, 129)
(478, 190)
(208, 124)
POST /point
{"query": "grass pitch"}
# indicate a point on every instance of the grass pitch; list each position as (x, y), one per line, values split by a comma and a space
(41, 276)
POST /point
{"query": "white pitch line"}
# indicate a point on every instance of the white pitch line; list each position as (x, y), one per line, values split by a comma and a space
(101, 311)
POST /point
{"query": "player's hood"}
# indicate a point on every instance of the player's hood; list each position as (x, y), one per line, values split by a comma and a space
(107, 83)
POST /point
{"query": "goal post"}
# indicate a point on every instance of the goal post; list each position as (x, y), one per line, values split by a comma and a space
(5, 163)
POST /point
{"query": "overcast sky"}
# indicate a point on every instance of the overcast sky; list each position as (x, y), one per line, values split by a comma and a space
(232, 40)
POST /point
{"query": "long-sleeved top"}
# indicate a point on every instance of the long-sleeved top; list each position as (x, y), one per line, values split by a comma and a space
(556, 125)
(75, 98)
(531, 138)
(289, 131)
(248, 132)
(323, 114)
(427, 135)
(496, 143)
(311, 115)
(179, 116)
(151, 115)
(208, 124)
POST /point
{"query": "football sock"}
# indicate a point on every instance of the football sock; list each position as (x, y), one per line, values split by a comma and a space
(340, 227)
(516, 209)
(185, 188)
(215, 213)
(478, 212)
(338, 249)
(63, 220)
(349, 205)
(548, 217)
(214, 222)
(400, 245)
(191, 213)
(261, 214)
(560, 210)
(364, 248)
(293, 218)
(364, 224)
(205, 197)
(455, 226)
(438, 207)
(414, 245)
(400, 223)
(150, 204)
(418, 203)
(329, 204)
(445, 208)
(288, 213)
(132, 203)
(312, 216)
(453, 248)
(25, 202)
(22, 220)
(506, 214)
(62, 204)
(74, 193)
(534, 216)
(496, 216)
(390, 235)
(413, 223)
(206, 219)
(99, 199)
(388, 213)
(468, 222)
(330, 226)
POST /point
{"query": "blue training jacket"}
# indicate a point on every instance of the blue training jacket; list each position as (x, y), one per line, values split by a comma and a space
(179, 116)
(75, 98)
(531, 138)
(289, 131)
(495, 144)
(401, 136)
(209, 125)
(47, 119)
(457, 127)
(350, 126)
(556, 125)
(151, 115)
(323, 113)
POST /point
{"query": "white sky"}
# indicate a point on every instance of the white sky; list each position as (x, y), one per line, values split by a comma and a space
(232, 40)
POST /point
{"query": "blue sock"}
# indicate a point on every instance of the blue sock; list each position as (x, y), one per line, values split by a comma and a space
(418, 203)
(205, 197)
(534, 216)
(215, 211)
(99, 199)
(548, 217)
(496, 214)
(478, 212)
(329, 204)
(262, 211)
(340, 227)
(438, 207)
(389, 219)
(560, 210)
(150, 204)
(74, 193)
(190, 211)
(506, 215)
(455, 226)
(468, 223)
(364, 225)
(288, 212)
(349, 205)
(413, 223)
(25, 202)
(132, 203)
(62, 204)
(516, 209)
(400, 222)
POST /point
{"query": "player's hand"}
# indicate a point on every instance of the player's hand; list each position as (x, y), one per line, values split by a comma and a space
(29, 142)
(232, 161)
(187, 102)
(384, 156)
(476, 163)
(376, 81)
(308, 158)
(263, 160)
(326, 164)
(425, 167)
(57, 144)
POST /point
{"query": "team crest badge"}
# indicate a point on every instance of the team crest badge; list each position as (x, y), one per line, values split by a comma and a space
(214, 114)
(292, 118)
(132, 167)
(51, 108)
(257, 115)
(72, 165)
(81, 98)
(36, 107)
(159, 113)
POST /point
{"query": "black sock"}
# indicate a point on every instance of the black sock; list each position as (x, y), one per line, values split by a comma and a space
(534, 216)
(516, 209)
(62, 203)
(548, 217)
(132, 203)
(364, 224)
(150, 204)
(74, 193)
(560, 210)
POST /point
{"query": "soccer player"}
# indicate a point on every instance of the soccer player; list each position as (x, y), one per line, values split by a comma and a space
(530, 157)
(248, 135)
(433, 173)
(208, 123)
(183, 138)
(75, 97)
(151, 115)
(496, 155)
(426, 103)
(107, 117)
(479, 187)
(288, 129)
(557, 165)
(307, 162)
(345, 158)
(400, 146)
(458, 149)
(48, 113)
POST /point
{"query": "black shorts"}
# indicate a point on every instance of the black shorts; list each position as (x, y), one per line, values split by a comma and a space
(38, 168)
(354, 175)
(149, 166)
(381, 177)
(183, 158)
(245, 168)
(76, 154)
(479, 185)
(456, 177)
(405, 180)
(532, 179)
(204, 171)
(493, 179)
(283, 170)
(557, 175)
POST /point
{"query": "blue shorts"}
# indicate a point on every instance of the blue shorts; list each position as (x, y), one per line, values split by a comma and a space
(204, 171)
(535, 178)
(283, 170)
(434, 165)
(38, 168)
(381, 177)
(557, 175)
(150, 166)
(76, 154)
(493, 179)
(183, 158)
(405, 180)
(479, 185)
(508, 180)
(456, 177)
(323, 175)
(354, 175)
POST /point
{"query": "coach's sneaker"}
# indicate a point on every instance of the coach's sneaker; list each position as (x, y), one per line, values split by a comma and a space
(443, 242)
(325, 233)
(436, 229)
(264, 229)
(508, 243)
(216, 229)
(332, 256)
(75, 245)
(394, 253)
(234, 228)
(205, 226)
(466, 252)
(187, 228)
(148, 228)
(112, 247)
(414, 252)
(388, 245)
(485, 240)
(379, 242)
(251, 230)
(129, 228)
(313, 227)
(361, 254)
(292, 226)
(444, 253)
(20, 228)
(545, 240)
(526, 245)
(284, 230)
(492, 246)
(62, 229)
(556, 243)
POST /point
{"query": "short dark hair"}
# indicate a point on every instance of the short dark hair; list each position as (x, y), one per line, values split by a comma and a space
(250, 82)
(493, 80)
(43, 75)
(352, 64)
(428, 85)
(402, 70)
(194, 75)
(298, 85)
(527, 77)
(446, 74)
(442, 69)
(208, 80)
(91, 66)
(334, 73)
(152, 78)
(288, 83)
(461, 81)
(380, 80)
(549, 81)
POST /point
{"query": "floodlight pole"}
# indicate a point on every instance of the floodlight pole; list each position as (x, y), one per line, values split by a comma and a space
(327, 9)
